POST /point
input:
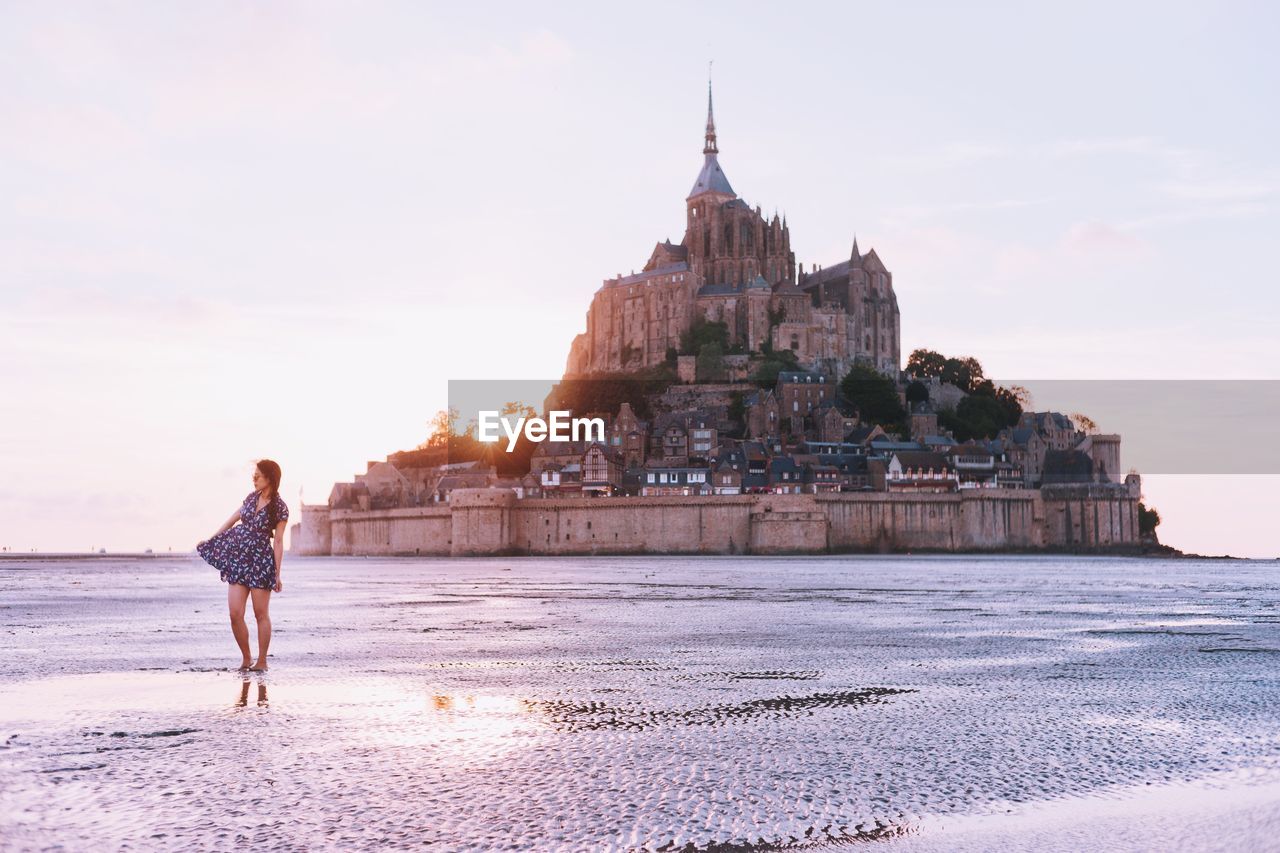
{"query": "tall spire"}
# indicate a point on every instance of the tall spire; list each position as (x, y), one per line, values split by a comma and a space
(710, 146)
(711, 179)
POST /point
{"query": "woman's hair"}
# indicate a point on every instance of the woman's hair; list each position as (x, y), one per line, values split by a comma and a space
(271, 471)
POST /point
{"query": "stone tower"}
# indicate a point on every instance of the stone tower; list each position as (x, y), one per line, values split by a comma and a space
(727, 241)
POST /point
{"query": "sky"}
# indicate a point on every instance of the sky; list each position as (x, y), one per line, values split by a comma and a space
(242, 230)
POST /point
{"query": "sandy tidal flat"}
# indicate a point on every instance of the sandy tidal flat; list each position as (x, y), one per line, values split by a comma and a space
(911, 703)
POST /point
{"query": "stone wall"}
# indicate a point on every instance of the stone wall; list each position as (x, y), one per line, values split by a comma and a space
(425, 531)
(492, 521)
(1089, 515)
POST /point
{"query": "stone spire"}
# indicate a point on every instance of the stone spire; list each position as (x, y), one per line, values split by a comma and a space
(710, 146)
(712, 178)
(855, 255)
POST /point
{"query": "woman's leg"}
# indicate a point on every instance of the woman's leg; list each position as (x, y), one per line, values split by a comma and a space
(237, 595)
(261, 613)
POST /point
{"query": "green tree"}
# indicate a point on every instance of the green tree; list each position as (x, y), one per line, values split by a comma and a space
(875, 396)
(964, 373)
(710, 365)
(1148, 520)
(766, 375)
(926, 362)
(917, 392)
(702, 332)
(976, 416)
(738, 412)
(1084, 423)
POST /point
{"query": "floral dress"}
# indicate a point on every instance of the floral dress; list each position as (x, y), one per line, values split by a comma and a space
(243, 553)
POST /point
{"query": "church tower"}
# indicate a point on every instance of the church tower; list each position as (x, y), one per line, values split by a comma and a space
(729, 243)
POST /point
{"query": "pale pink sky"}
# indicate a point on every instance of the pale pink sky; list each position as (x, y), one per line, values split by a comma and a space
(245, 230)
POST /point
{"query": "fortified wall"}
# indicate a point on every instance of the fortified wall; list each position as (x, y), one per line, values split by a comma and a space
(479, 522)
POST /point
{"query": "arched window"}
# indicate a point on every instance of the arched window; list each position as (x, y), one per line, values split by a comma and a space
(728, 236)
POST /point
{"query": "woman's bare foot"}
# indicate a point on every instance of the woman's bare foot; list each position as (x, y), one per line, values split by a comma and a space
(260, 666)
(245, 664)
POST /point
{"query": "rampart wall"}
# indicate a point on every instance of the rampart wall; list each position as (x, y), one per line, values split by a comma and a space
(492, 521)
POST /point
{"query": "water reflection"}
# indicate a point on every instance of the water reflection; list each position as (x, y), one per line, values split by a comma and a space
(244, 694)
(480, 726)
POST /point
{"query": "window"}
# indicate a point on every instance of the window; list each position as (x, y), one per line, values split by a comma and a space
(795, 405)
(651, 478)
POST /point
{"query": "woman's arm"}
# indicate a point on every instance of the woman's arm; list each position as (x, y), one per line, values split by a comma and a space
(278, 543)
(226, 525)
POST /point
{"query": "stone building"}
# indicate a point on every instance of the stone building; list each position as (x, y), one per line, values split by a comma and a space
(736, 266)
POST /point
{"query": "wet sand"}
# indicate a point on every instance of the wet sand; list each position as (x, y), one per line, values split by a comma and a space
(944, 703)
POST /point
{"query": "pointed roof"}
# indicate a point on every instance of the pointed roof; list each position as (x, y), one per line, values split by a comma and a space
(855, 257)
(712, 178)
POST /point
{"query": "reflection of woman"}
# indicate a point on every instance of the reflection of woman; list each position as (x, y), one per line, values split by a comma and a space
(249, 559)
(244, 694)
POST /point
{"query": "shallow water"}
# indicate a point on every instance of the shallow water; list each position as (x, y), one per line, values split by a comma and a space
(940, 703)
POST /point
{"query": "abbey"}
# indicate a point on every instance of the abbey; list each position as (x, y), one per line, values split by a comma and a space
(737, 267)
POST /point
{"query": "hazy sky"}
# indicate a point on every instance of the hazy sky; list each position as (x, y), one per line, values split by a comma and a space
(239, 230)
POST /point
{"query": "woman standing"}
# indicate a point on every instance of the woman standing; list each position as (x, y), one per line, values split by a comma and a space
(248, 557)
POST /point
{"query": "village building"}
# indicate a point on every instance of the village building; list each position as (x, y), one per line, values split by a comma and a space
(601, 471)
(919, 471)
(681, 481)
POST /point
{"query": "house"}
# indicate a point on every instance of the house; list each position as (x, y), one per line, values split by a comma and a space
(1026, 448)
(974, 465)
(864, 434)
(562, 480)
(683, 481)
(1057, 430)
(601, 471)
(831, 424)
(919, 471)
(922, 420)
(763, 415)
(703, 437)
(630, 436)
(726, 477)
(469, 479)
(821, 477)
(800, 392)
(785, 476)
(556, 453)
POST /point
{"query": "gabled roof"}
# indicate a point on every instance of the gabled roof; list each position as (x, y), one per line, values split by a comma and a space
(724, 288)
(636, 278)
(971, 448)
(835, 271)
(802, 377)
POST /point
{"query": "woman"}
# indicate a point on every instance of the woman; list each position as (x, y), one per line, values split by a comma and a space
(249, 559)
